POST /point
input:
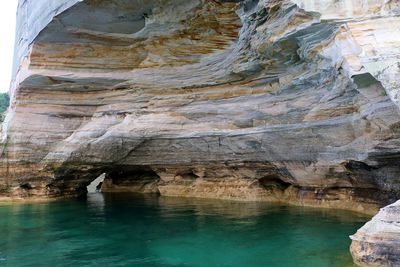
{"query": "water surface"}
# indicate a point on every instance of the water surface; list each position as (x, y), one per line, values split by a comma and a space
(133, 230)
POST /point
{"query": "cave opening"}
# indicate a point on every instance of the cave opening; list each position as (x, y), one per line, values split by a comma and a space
(273, 181)
(128, 178)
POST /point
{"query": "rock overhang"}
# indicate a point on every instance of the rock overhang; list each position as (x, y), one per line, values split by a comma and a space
(128, 35)
(191, 87)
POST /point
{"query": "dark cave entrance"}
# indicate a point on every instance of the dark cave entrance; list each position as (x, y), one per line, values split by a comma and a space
(124, 178)
(273, 182)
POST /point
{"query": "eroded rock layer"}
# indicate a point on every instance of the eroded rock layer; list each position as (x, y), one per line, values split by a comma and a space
(277, 100)
(377, 243)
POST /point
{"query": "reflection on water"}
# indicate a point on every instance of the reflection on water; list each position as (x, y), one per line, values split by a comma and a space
(96, 202)
(147, 230)
(96, 205)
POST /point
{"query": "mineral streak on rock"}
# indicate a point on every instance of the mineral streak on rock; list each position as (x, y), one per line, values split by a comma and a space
(276, 100)
(377, 243)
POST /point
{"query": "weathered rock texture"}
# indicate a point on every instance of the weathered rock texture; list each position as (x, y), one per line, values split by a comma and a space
(378, 242)
(276, 100)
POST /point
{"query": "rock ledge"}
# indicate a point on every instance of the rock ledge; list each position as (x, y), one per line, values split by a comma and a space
(377, 243)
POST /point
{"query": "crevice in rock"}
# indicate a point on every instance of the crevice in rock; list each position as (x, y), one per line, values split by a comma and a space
(274, 182)
(128, 178)
(187, 175)
(353, 165)
(26, 186)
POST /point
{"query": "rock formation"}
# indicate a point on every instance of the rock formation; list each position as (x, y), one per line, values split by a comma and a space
(280, 100)
(378, 242)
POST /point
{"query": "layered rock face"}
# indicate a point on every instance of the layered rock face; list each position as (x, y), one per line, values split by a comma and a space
(378, 242)
(293, 101)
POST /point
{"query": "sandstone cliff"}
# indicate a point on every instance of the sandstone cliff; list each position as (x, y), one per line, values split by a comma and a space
(279, 100)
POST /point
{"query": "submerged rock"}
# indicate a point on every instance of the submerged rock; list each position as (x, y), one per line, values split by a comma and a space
(278, 100)
(377, 243)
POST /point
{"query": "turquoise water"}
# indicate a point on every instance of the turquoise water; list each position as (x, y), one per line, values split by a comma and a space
(132, 230)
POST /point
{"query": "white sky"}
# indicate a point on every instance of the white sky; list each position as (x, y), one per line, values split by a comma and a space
(8, 12)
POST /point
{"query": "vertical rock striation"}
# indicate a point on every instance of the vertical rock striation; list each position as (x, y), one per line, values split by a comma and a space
(279, 100)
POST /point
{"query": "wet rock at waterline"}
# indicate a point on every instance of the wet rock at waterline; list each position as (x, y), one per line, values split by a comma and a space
(292, 101)
(377, 243)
